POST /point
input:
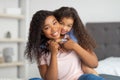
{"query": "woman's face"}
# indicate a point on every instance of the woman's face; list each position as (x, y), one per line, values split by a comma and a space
(52, 28)
(67, 24)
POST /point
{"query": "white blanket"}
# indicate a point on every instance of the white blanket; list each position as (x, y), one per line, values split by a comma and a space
(110, 66)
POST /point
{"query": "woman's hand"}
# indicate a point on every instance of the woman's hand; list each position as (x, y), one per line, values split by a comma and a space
(53, 46)
(52, 69)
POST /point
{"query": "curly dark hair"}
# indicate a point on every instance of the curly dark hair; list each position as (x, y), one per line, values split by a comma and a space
(79, 31)
(36, 44)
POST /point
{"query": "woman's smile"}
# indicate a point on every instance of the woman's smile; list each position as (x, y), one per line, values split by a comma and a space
(52, 28)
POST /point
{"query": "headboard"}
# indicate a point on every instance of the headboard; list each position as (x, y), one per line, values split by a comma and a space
(107, 37)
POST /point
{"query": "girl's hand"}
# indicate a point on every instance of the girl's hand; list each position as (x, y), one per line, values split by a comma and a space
(53, 46)
(69, 44)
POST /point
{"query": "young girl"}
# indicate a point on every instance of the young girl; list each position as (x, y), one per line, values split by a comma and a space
(70, 21)
(43, 45)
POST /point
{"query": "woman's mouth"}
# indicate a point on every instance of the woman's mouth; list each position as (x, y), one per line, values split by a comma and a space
(54, 34)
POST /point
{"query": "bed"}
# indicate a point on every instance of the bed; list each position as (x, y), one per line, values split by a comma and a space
(107, 37)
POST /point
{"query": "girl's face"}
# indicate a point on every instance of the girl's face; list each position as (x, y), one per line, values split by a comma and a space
(51, 28)
(67, 24)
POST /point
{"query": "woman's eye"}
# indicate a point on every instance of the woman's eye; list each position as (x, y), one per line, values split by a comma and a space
(45, 28)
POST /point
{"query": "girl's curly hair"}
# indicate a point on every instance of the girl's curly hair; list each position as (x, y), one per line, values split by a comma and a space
(79, 31)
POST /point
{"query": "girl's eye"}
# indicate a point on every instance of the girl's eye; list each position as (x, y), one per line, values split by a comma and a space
(69, 25)
(61, 23)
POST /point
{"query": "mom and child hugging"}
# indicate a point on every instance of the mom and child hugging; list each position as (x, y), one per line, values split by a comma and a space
(61, 46)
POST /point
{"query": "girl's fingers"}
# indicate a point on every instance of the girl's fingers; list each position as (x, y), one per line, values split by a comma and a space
(68, 38)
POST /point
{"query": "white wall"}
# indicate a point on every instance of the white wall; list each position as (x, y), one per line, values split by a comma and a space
(10, 25)
(89, 11)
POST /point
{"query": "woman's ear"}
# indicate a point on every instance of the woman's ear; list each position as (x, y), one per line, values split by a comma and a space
(42, 32)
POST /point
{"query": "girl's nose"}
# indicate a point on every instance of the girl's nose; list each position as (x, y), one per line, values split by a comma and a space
(64, 28)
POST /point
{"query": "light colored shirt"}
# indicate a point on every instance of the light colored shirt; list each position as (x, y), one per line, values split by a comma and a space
(69, 65)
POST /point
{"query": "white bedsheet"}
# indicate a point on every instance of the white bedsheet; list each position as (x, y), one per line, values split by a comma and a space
(110, 66)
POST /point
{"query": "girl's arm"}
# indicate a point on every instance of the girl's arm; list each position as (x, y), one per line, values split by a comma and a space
(88, 57)
(88, 70)
(50, 72)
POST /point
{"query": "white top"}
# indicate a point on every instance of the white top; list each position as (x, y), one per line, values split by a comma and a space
(69, 65)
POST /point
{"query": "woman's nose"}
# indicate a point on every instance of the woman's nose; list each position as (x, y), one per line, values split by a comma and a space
(53, 29)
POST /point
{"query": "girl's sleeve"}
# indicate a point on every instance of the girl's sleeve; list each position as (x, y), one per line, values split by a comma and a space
(42, 60)
(71, 35)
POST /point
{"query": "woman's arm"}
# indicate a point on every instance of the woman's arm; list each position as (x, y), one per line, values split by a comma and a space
(42, 70)
(50, 72)
(89, 58)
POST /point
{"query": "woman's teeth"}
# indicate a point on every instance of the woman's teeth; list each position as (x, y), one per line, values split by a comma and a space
(55, 34)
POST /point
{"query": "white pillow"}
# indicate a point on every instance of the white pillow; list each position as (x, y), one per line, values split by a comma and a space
(110, 66)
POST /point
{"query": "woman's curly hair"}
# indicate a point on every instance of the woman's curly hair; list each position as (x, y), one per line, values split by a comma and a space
(36, 44)
(79, 31)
